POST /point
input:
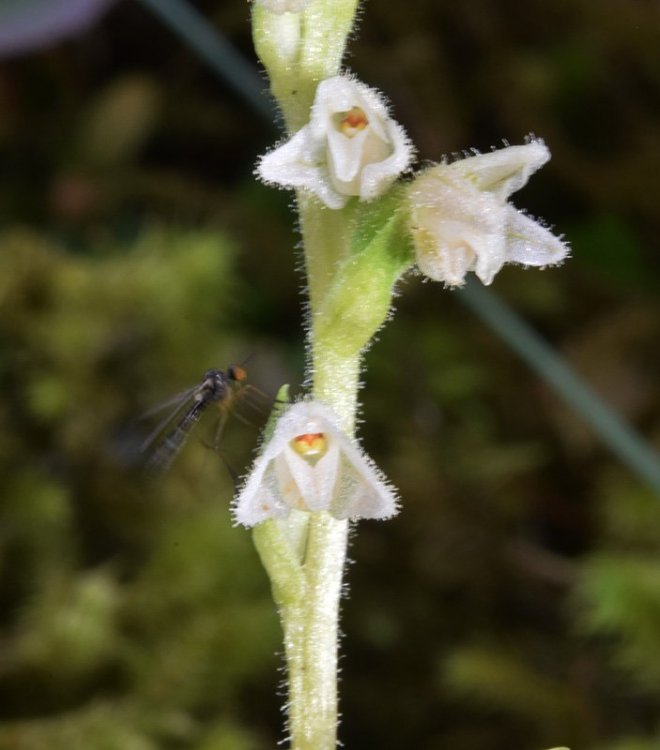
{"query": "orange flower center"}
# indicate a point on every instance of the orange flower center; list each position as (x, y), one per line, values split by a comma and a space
(311, 445)
(353, 122)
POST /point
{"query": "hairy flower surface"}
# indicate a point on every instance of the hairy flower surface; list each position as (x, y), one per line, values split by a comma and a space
(283, 6)
(350, 147)
(309, 464)
(461, 220)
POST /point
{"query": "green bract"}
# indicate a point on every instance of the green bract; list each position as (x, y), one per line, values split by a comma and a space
(358, 300)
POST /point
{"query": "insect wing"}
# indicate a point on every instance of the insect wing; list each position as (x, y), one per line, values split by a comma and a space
(164, 442)
(162, 457)
(180, 402)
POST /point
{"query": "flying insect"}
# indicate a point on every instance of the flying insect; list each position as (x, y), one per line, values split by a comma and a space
(222, 388)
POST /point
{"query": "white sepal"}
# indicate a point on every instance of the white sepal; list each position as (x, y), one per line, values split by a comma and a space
(461, 220)
(338, 477)
(350, 147)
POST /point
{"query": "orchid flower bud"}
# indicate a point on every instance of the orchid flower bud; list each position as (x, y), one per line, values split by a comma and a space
(350, 147)
(309, 464)
(461, 220)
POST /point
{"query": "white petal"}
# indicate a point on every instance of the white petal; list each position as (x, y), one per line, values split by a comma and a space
(491, 257)
(362, 491)
(314, 485)
(532, 244)
(298, 163)
(283, 165)
(346, 155)
(456, 228)
(504, 171)
(443, 262)
(342, 93)
(378, 174)
(260, 498)
(366, 163)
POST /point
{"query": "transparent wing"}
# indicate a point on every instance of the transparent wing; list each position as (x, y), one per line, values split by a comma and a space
(175, 400)
(162, 457)
(180, 401)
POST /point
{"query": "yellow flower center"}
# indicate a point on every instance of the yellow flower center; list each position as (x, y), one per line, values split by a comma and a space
(311, 446)
(353, 122)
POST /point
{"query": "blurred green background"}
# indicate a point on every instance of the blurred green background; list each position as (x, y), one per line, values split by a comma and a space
(515, 601)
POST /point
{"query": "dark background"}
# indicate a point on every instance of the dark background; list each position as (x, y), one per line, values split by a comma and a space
(515, 601)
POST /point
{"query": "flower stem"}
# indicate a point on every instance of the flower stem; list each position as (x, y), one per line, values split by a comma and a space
(310, 638)
(311, 625)
(328, 232)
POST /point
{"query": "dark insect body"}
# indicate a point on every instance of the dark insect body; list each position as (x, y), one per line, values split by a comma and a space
(216, 387)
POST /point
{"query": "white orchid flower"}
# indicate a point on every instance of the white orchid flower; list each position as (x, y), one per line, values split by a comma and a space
(461, 220)
(309, 464)
(350, 147)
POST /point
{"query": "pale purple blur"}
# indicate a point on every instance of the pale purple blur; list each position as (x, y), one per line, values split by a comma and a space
(26, 25)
